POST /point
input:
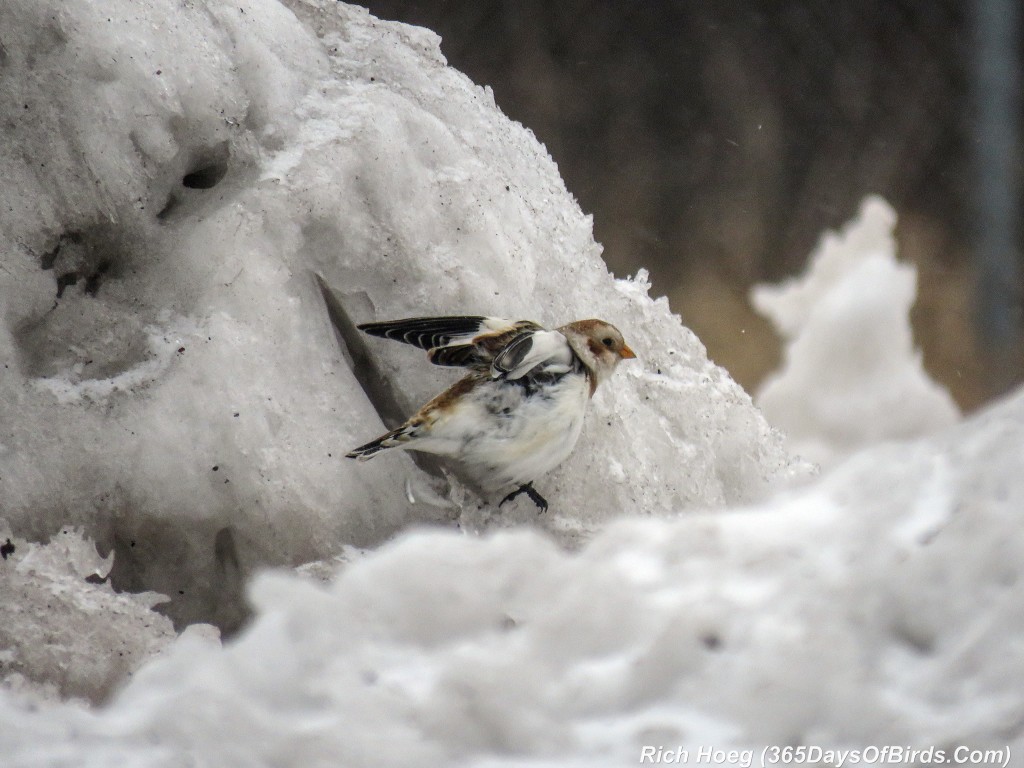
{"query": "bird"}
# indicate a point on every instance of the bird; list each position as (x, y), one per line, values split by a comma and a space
(519, 411)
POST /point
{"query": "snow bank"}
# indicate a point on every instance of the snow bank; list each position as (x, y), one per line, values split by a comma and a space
(882, 605)
(851, 375)
(199, 200)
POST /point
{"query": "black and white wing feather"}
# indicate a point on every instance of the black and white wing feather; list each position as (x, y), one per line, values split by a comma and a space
(435, 332)
(503, 348)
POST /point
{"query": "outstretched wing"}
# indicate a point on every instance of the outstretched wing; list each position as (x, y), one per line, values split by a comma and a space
(433, 332)
(467, 341)
(503, 348)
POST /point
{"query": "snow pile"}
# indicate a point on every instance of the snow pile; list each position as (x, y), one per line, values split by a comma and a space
(882, 605)
(851, 374)
(200, 199)
(63, 630)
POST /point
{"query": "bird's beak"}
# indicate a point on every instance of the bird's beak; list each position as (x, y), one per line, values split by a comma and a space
(626, 353)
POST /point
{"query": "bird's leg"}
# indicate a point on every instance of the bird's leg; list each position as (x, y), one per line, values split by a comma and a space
(536, 498)
(510, 496)
(530, 491)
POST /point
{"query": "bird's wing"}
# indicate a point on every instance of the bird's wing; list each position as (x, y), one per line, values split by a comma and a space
(434, 332)
(532, 351)
(469, 341)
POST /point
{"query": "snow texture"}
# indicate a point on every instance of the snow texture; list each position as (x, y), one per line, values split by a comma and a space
(63, 630)
(881, 605)
(851, 376)
(200, 199)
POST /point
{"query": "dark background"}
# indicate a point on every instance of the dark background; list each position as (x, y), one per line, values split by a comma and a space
(714, 141)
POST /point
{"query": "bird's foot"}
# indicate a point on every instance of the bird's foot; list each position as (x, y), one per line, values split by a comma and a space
(530, 491)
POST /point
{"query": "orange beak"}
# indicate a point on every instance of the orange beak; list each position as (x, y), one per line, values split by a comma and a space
(626, 353)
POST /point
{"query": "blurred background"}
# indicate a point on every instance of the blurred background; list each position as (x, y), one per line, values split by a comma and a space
(715, 141)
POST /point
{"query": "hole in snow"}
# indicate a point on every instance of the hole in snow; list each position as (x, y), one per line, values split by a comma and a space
(196, 172)
(208, 167)
(206, 177)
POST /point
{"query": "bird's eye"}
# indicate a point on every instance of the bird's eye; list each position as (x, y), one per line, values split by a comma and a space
(607, 341)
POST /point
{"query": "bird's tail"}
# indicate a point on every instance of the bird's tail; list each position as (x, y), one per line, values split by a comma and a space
(393, 438)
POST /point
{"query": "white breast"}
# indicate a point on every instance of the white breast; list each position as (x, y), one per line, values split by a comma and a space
(505, 437)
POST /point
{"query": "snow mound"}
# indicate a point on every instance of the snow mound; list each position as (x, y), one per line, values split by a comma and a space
(200, 200)
(851, 375)
(880, 605)
(63, 630)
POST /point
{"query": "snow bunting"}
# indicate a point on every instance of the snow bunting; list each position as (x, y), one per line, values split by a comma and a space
(519, 412)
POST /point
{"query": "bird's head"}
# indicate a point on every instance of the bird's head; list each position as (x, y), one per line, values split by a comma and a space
(599, 345)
